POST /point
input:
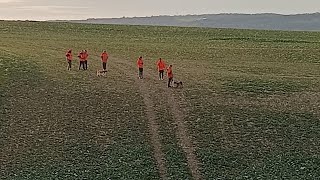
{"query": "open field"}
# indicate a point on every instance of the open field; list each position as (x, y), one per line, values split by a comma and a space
(249, 109)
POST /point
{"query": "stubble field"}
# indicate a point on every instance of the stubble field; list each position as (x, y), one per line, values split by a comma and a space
(249, 108)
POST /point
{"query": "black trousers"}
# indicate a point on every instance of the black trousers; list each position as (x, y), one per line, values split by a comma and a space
(81, 64)
(161, 74)
(104, 65)
(141, 72)
(69, 64)
(86, 64)
(169, 82)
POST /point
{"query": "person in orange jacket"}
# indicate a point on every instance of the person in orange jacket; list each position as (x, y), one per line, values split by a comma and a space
(104, 59)
(161, 67)
(170, 75)
(85, 57)
(81, 59)
(69, 58)
(140, 67)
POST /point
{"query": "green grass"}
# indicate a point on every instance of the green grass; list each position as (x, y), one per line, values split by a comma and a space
(251, 97)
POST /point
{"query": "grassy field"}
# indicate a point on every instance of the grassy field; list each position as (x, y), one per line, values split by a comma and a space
(249, 109)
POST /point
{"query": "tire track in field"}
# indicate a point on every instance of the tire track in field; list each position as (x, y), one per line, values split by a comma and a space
(184, 138)
(152, 121)
(178, 116)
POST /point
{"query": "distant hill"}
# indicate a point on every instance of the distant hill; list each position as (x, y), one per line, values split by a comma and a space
(298, 22)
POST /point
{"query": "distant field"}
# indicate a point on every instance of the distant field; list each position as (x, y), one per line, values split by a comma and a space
(249, 109)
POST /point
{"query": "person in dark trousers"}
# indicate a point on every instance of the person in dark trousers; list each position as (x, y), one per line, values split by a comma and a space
(161, 67)
(140, 67)
(170, 75)
(81, 59)
(85, 56)
(69, 58)
(104, 59)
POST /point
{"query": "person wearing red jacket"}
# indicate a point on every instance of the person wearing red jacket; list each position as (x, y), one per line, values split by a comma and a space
(81, 59)
(140, 67)
(170, 75)
(85, 57)
(161, 67)
(69, 58)
(104, 59)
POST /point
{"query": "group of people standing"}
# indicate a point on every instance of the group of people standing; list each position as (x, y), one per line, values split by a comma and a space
(161, 68)
(83, 59)
(83, 62)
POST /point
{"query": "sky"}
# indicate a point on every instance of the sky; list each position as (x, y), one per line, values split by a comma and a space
(83, 9)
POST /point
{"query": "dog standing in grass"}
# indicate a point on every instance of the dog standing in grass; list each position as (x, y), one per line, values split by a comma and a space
(101, 72)
(177, 84)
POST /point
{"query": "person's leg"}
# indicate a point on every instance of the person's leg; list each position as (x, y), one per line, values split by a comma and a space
(162, 71)
(104, 65)
(69, 65)
(159, 75)
(169, 82)
(141, 73)
(86, 64)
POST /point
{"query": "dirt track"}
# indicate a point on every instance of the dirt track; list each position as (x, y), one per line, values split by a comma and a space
(173, 97)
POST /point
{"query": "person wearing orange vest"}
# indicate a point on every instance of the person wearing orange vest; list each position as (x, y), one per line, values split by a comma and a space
(170, 75)
(161, 67)
(104, 59)
(140, 67)
(81, 59)
(69, 58)
(85, 57)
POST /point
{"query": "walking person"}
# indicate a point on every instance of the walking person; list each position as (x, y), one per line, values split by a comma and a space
(170, 75)
(85, 57)
(161, 67)
(104, 59)
(140, 67)
(81, 59)
(69, 58)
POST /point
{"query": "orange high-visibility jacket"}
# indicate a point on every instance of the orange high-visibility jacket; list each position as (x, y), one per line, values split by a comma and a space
(140, 63)
(104, 57)
(85, 56)
(81, 56)
(161, 65)
(169, 72)
(69, 56)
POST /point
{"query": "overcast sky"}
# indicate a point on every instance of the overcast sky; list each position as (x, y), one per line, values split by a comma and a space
(83, 9)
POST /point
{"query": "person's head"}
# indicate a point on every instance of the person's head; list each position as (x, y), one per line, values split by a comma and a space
(160, 59)
(140, 57)
(85, 50)
(70, 50)
(104, 51)
(171, 65)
